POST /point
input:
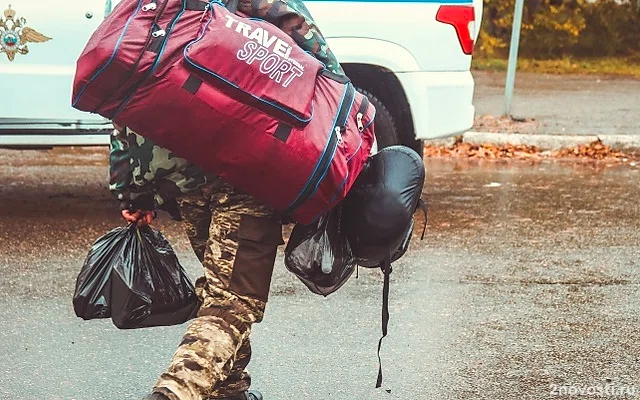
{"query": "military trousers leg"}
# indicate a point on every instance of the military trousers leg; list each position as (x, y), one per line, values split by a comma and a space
(236, 237)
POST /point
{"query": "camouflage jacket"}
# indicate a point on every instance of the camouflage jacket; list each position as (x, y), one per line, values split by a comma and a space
(145, 175)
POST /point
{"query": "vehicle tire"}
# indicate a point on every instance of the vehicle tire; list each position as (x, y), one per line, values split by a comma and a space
(385, 127)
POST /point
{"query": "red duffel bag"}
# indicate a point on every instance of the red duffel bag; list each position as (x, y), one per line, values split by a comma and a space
(234, 95)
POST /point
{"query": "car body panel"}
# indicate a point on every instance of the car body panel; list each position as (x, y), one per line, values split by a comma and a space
(36, 87)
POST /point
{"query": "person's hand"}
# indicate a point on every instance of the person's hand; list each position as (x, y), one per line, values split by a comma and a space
(140, 217)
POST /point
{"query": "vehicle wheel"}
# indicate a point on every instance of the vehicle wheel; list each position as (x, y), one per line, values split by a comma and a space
(385, 127)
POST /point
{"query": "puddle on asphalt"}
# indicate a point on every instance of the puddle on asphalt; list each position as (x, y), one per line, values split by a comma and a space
(552, 195)
(514, 199)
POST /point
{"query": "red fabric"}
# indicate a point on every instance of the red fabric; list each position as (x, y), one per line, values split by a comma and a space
(269, 65)
(220, 128)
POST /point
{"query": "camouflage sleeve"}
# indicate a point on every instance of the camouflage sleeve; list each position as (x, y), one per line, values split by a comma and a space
(145, 174)
(156, 169)
(293, 17)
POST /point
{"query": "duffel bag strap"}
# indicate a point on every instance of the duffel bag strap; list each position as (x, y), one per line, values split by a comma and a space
(423, 206)
(199, 5)
(331, 75)
(386, 269)
(196, 5)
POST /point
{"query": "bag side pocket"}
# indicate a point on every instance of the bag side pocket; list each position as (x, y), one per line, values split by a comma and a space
(258, 241)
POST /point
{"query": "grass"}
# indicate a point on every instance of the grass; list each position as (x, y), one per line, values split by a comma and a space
(629, 67)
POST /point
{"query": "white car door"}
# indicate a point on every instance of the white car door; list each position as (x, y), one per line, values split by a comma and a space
(40, 42)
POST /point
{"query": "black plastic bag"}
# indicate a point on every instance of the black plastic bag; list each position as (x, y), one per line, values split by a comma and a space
(142, 283)
(149, 287)
(319, 255)
(92, 295)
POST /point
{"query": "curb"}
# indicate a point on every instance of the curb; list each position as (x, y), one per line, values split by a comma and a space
(546, 142)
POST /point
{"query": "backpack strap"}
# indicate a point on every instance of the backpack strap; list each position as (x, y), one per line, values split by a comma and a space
(423, 206)
(386, 269)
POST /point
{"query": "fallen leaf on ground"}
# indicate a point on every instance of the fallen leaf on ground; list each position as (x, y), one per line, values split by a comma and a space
(593, 151)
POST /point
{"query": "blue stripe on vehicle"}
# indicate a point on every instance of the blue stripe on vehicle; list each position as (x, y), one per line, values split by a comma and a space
(115, 50)
(261, 100)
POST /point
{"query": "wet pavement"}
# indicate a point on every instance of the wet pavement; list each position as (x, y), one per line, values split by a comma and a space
(564, 104)
(525, 287)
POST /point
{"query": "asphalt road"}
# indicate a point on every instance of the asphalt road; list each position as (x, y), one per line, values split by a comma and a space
(564, 104)
(526, 287)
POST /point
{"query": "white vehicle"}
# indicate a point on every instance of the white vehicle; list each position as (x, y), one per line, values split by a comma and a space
(412, 57)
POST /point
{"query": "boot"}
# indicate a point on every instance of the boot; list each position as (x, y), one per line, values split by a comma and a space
(248, 395)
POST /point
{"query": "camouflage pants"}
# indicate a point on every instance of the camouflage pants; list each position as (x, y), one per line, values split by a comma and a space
(236, 238)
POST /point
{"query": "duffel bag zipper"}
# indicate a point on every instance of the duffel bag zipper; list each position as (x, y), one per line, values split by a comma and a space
(364, 106)
(152, 33)
(329, 152)
(204, 13)
(338, 132)
(362, 110)
(165, 34)
(149, 7)
(113, 54)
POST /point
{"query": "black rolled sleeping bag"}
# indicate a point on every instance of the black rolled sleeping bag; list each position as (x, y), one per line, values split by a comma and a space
(378, 211)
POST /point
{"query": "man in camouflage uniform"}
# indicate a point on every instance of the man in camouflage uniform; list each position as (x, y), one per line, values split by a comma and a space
(234, 235)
